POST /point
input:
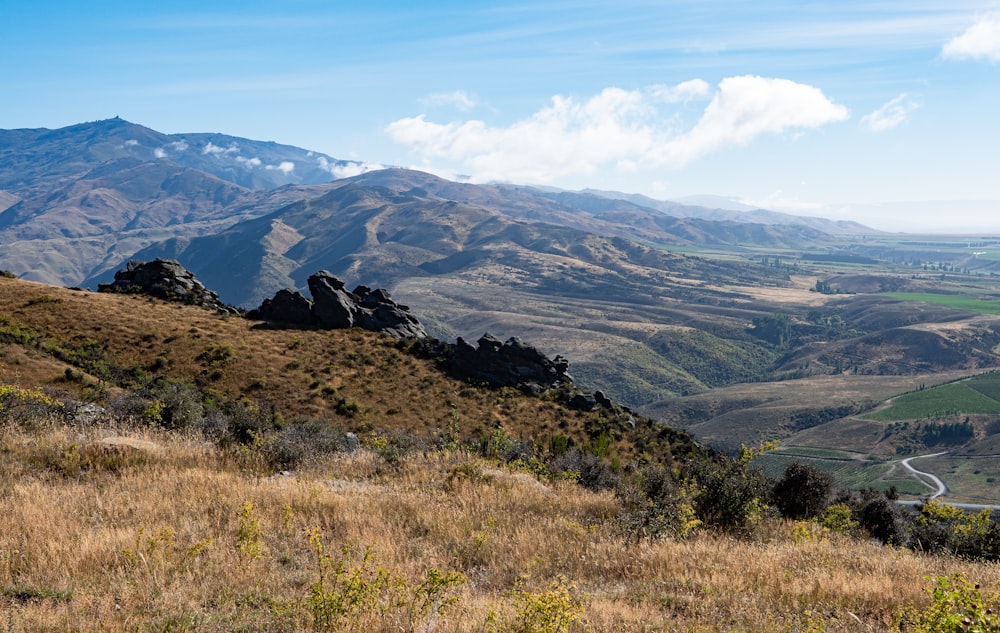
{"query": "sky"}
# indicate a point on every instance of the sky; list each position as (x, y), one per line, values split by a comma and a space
(886, 112)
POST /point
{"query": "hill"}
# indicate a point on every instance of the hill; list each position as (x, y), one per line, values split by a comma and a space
(103, 346)
(76, 200)
(177, 468)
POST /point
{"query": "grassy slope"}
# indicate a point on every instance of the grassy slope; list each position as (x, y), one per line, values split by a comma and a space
(162, 540)
(107, 539)
(298, 373)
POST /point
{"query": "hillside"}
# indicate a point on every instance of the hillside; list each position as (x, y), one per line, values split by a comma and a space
(101, 346)
(169, 466)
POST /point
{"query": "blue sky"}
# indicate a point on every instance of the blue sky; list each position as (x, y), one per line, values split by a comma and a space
(886, 112)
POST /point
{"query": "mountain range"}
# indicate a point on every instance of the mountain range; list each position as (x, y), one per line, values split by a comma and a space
(602, 278)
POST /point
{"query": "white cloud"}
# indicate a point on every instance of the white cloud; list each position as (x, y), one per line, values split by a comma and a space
(286, 167)
(131, 142)
(746, 107)
(249, 162)
(686, 91)
(347, 169)
(458, 99)
(979, 41)
(891, 115)
(354, 169)
(623, 129)
(212, 148)
(159, 152)
(180, 146)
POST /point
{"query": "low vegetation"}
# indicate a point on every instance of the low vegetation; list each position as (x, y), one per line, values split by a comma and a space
(170, 532)
(167, 469)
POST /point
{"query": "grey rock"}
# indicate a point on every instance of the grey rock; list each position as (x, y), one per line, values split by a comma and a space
(287, 306)
(351, 442)
(165, 279)
(511, 363)
(333, 307)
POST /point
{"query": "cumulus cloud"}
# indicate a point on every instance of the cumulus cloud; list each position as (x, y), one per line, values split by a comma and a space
(131, 142)
(249, 162)
(890, 115)
(744, 108)
(212, 148)
(458, 99)
(979, 41)
(159, 152)
(626, 129)
(180, 146)
(286, 166)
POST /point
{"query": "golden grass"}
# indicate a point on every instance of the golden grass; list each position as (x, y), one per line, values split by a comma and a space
(153, 544)
(298, 373)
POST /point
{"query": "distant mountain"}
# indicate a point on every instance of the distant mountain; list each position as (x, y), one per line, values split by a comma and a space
(580, 274)
(384, 227)
(75, 201)
(33, 161)
(718, 208)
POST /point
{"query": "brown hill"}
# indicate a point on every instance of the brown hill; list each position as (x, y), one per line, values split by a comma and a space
(92, 346)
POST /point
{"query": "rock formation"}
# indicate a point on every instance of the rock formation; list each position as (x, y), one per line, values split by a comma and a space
(333, 307)
(499, 364)
(165, 279)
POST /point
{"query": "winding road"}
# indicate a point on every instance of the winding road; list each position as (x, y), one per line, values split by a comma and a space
(941, 488)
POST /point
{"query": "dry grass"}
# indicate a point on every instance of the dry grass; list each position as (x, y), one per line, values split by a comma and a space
(298, 373)
(157, 542)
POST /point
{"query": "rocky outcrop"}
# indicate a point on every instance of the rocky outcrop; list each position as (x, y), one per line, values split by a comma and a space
(511, 363)
(333, 307)
(287, 306)
(165, 279)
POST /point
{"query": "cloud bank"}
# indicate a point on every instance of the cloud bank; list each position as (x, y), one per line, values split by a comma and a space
(979, 41)
(626, 129)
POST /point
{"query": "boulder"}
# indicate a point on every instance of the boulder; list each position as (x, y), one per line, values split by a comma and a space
(332, 307)
(511, 363)
(165, 279)
(287, 306)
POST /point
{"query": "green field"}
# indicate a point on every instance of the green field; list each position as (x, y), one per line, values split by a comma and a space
(959, 302)
(976, 395)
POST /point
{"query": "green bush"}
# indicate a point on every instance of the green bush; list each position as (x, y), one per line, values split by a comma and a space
(802, 491)
(729, 497)
(654, 505)
(957, 606)
(947, 529)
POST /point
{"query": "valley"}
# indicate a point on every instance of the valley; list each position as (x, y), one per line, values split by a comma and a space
(744, 327)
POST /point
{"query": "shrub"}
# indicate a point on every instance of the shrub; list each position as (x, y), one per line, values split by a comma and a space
(301, 442)
(554, 610)
(655, 506)
(591, 471)
(943, 528)
(802, 491)
(729, 496)
(882, 517)
(957, 606)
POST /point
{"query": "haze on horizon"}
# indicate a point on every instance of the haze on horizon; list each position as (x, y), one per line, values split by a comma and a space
(884, 113)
